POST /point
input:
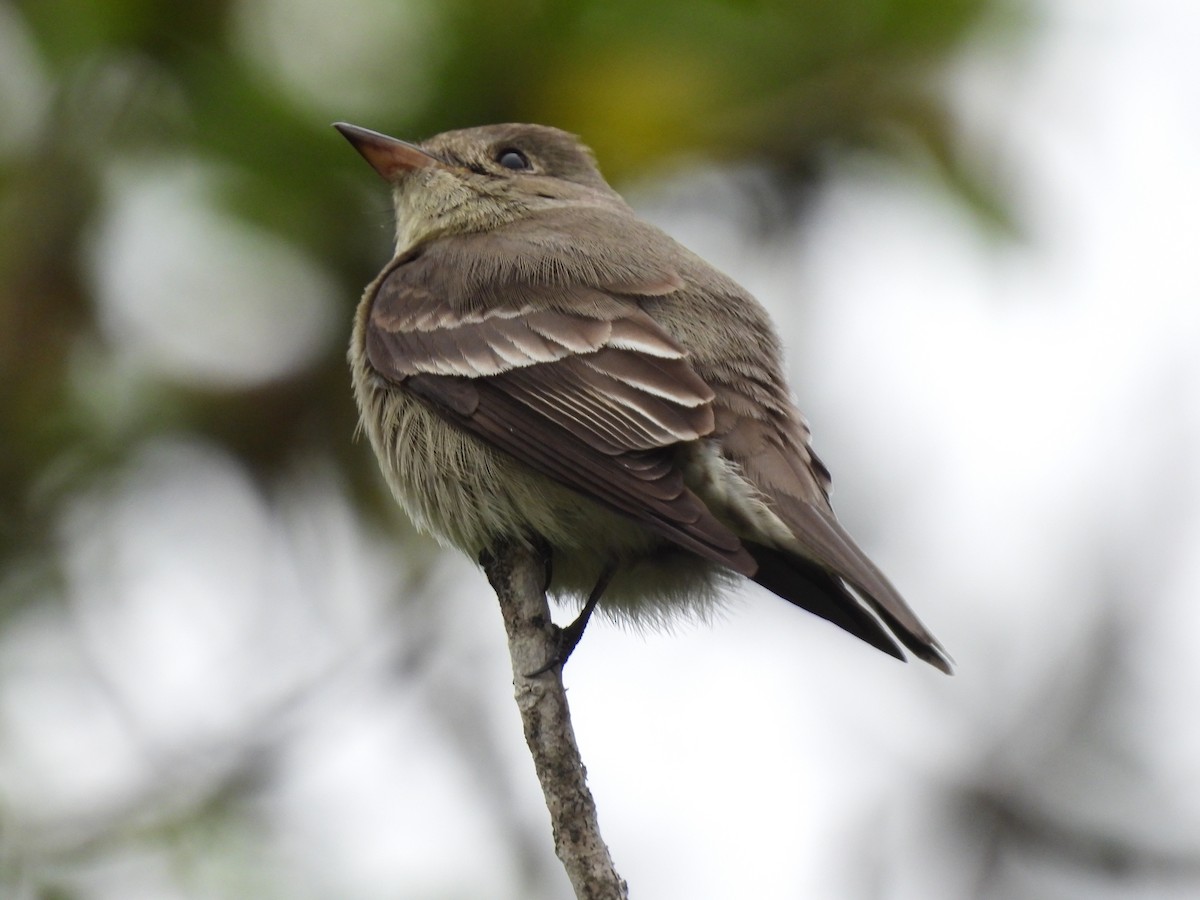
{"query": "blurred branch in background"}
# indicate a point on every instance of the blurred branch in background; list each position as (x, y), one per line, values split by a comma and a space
(211, 618)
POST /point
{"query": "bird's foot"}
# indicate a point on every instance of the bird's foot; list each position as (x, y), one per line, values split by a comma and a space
(567, 639)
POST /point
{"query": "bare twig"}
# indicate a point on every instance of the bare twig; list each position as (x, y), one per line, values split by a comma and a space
(517, 573)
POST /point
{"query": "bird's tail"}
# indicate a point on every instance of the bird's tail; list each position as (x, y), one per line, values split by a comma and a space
(813, 588)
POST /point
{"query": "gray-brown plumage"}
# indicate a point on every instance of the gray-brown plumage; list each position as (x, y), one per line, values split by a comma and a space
(536, 361)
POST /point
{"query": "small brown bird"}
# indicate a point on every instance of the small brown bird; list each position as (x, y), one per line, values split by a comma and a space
(538, 362)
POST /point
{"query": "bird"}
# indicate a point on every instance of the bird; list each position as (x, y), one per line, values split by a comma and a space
(537, 363)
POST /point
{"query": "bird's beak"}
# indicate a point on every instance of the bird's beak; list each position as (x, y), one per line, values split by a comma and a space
(387, 155)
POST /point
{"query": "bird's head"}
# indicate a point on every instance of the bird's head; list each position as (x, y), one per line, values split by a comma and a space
(477, 179)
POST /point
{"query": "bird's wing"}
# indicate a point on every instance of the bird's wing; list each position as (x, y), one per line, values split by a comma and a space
(575, 382)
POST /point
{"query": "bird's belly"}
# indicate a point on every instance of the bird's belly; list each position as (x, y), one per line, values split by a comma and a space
(473, 497)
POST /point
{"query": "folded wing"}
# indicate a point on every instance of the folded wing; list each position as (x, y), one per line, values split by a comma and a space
(578, 384)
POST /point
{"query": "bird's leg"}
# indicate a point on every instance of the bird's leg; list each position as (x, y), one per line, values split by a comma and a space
(569, 637)
(548, 558)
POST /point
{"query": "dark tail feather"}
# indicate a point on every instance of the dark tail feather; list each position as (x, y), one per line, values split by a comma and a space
(930, 651)
(812, 588)
(817, 531)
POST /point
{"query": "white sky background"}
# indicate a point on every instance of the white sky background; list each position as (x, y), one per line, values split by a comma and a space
(1020, 422)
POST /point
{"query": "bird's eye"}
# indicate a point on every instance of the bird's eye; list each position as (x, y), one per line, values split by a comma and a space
(512, 159)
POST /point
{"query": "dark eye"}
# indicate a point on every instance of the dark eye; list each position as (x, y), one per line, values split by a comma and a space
(513, 159)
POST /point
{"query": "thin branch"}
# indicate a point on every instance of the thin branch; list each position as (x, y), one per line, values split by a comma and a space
(517, 573)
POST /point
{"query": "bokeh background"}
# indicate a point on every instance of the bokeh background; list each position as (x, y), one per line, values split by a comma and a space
(229, 668)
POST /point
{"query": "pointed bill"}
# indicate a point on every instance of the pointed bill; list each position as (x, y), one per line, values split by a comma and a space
(388, 156)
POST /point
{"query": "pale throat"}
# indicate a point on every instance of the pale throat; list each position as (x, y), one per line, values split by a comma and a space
(445, 204)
